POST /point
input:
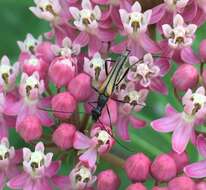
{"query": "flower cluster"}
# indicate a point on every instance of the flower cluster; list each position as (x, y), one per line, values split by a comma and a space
(68, 75)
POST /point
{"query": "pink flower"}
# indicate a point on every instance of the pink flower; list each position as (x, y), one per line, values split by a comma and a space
(135, 26)
(136, 186)
(30, 90)
(163, 168)
(109, 179)
(95, 67)
(38, 170)
(30, 44)
(81, 83)
(182, 124)
(9, 158)
(47, 9)
(63, 136)
(100, 142)
(181, 35)
(33, 64)
(181, 183)
(8, 74)
(87, 21)
(61, 67)
(134, 164)
(30, 128)
(133, 100)
(63, 102)
(148, 72)
(197, 170)
(190, 79)
(163, 13)
(81, 177)
(68, 48)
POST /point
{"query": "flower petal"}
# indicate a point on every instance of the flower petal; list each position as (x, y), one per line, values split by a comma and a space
(18, 181)
(189, 56)
(201, 145)
(122, 128)
(137, 123)
(181, 136)
(89, 157)
(166, 124)
(81, 141)
(157, 13)
(196, 170)
(53, 169)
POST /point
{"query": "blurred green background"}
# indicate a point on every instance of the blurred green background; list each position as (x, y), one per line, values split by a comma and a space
(17, 21)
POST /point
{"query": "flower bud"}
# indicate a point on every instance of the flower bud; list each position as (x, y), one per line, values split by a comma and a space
(63, 105)
(63, 136)
(80, 87)
(62, 71)
(202, 49)
(160, 188)
(33, 64)
(137, 167)
(201, 186)
(108, 180)
(44, 50)
(136, 186)
(181, 183)
(30, 128)
(185, 77)
(181, 160)
(163, 168)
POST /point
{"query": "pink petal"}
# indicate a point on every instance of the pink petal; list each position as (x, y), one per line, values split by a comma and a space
(201, 145)
(119, 48)
(45, 119)
(18, 181)
(157, 13)
(18, 156)
(81, 141)
(3, 129)
(169, 111)
(137, 123)
(189, 56)
(190, 11)
(94, 45)
(136, 48)
(181, 136)
(89, 157)
(62, 182)
(2, 179)
(106, 35)
(148, 44)
(42, 184)
(13, 109)
(29, 185)
(122, 128)
(166, 124)
(158, 85)
(21, 115)
(164, 65)
(199, 18)
(196, 170)
(53, 169)
(82, 39)
(116, 16)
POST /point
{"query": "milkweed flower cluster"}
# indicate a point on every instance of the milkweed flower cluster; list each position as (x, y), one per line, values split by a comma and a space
(48, 95)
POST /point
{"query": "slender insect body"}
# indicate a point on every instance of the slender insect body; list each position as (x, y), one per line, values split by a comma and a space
(101, 103)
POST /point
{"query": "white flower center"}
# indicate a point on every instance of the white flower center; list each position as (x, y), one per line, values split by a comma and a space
(175, 4)
(66, 51)
(36, 160)
(33, 61)
(132, 97)
(135, 20)
(103, 137)
(6, 71)
(87, 16)
(187, 117)
(83, 175)
(4, 152)
(47, 6)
